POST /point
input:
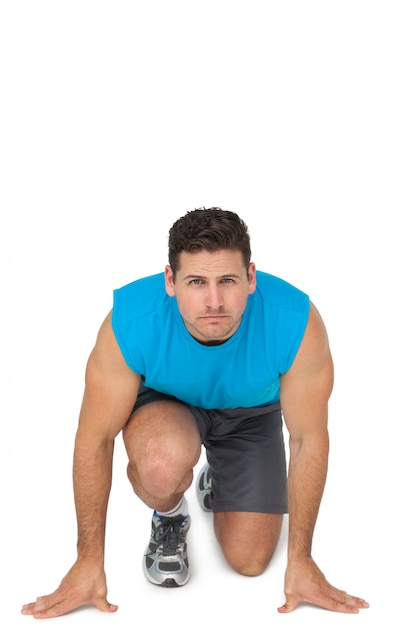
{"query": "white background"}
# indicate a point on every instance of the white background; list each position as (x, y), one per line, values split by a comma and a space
(118, 117)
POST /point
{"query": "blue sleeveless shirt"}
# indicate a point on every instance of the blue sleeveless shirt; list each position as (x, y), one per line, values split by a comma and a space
(242, 372)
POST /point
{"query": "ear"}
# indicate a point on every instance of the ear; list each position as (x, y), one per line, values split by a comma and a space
(169, 281)
(252, 277)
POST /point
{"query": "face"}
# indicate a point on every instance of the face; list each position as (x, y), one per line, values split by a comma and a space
(212, 290)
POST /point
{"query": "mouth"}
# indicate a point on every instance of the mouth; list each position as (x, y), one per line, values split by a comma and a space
(213, 317)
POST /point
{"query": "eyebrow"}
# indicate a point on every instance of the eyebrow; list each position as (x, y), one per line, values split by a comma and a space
(231, 275)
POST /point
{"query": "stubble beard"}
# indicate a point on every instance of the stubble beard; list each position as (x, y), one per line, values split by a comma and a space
(214, 332)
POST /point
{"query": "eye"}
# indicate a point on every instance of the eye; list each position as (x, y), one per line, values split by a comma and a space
(228, 280)
(196, 281)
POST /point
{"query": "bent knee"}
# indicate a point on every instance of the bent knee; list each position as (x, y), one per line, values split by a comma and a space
(246, 550)
(248, 565)
(153, 477)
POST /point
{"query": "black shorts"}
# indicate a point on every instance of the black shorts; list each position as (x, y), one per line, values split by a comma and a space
(246, 453)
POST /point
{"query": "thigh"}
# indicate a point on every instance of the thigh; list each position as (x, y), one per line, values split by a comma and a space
(163, 445)
(162, 429)
(160, 416)
(246, 453)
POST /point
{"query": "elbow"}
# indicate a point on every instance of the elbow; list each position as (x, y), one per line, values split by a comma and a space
(313, 443)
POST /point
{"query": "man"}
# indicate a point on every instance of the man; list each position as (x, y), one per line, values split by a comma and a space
(207, 353)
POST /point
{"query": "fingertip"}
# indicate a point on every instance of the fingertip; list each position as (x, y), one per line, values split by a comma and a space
(109, 608)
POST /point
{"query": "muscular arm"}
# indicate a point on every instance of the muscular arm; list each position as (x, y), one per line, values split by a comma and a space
(305, 391)
(110, 391)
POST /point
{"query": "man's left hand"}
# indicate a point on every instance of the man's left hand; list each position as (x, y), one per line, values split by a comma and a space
(304, 582)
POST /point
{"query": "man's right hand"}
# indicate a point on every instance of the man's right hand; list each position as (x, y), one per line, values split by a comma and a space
(85, 583)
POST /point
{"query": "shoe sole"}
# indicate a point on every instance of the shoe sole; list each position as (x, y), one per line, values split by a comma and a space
(170, 583)
(203, 489)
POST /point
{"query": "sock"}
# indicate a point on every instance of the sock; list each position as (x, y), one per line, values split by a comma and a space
(180, 509)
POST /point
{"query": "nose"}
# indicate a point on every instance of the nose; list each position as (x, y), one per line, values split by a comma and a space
(214, 298)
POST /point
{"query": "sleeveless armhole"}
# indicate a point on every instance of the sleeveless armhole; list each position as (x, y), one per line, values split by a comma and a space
(298, 334)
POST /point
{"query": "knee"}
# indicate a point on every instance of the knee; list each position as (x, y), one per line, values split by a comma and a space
(248, 564)
(160, 471)
(163, 445)
(246, 550)
(153, 475)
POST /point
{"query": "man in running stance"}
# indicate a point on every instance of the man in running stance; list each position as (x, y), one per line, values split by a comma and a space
(209, 352)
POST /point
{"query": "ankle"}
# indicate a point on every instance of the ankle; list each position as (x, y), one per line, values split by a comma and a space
(180, 509)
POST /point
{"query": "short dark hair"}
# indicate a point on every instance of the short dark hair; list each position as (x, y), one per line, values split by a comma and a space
(209, 229)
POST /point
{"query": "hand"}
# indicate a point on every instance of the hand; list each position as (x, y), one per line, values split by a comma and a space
(304, 582)
(85, 583)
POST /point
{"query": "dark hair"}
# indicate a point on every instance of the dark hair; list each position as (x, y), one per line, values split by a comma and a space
(208, 229)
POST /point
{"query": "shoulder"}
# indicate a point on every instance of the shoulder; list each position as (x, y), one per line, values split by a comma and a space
(279, 313)
(315, 339)
(142, 313)
(314, 356)
(152, 285)
(140, 297)
(106, 357)
(308, 384)
(276, 291)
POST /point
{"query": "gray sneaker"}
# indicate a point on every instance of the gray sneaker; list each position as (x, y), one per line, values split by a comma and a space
(203, 488)
(165, 561)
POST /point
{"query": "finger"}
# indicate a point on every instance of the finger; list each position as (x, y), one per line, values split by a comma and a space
(53, 606)
(339, 604)
(106, 607)
(354, 601)
(53, 609)
(289, 606)
(27, 609)
(286, 608)
(65, 606)
(362, 604)
(347, 599)
(41, 603)
(350, 601)
(336, 601)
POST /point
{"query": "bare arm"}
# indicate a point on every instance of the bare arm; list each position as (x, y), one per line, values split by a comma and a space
(110, 391)
(305, 391)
